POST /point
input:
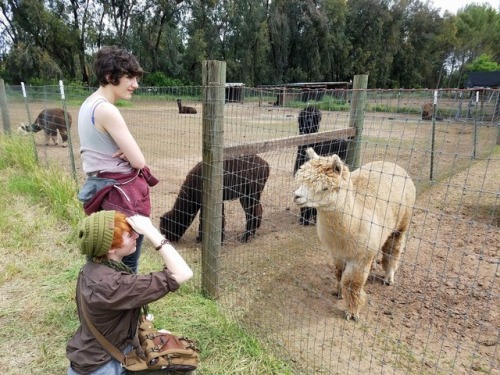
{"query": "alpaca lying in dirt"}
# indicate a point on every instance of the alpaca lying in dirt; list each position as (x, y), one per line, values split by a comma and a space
(185, 109)
(359, 214)
(244, 179)
(51, 121)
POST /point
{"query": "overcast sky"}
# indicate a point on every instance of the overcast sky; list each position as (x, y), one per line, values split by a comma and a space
(454, 5)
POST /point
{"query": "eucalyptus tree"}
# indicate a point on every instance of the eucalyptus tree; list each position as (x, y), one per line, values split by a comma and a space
(309, 29)
(84, 25)
(200, 38)
(334, 50)
(9, 30)
(229, 30)
(425, 42)
(41, 38)
(303, 38)
(154, 36)
(370, 33)
(194, 55)
(280, 37)
(478, 32)
(246, 42)
(119, 14)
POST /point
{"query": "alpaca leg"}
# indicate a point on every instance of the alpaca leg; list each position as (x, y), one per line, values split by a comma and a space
(353, 281)
(253, 216)
(47, 139)
(339, 269)
(373, 277)
(391, 254)
(223, 231)
(64, 137)
(200, 228)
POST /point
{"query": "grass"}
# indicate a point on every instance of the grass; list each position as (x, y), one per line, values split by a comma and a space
(39, 266)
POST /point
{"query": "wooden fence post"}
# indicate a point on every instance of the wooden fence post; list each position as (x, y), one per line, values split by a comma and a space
(4, 108)
(356, 119)
(214, 81)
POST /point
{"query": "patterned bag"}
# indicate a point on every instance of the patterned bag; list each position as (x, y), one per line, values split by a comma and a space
(166, 351)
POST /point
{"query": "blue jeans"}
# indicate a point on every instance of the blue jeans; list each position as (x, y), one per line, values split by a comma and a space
(112, 367)
(132, 260)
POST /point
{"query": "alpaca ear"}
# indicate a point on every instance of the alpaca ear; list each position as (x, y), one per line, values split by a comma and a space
(311, 153)
(337, 164)
(22, 129)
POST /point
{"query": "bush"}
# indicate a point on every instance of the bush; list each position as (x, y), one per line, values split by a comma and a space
(159, 79)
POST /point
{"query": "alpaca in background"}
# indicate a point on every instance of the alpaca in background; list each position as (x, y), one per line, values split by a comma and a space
(244, 179)
(360, 214)
(51, 121)
(183, 109)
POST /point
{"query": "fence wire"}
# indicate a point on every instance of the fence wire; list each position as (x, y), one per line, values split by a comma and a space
(441, 316)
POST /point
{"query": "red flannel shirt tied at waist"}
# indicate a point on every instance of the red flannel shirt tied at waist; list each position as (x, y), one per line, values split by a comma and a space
(127, 193)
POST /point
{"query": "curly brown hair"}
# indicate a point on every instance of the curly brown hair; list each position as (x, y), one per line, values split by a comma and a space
(112, 63)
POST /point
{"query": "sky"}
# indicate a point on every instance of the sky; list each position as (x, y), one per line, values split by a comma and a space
(453, 5)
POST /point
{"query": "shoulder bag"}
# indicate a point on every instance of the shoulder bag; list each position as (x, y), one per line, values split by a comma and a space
(162, 350)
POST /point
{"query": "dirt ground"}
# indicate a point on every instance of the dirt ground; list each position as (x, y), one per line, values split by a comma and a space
(442, 316)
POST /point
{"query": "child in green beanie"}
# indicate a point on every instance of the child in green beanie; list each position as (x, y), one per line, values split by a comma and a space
(111, 294)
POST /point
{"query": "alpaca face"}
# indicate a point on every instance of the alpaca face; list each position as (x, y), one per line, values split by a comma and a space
(323, 182)
(25, 129)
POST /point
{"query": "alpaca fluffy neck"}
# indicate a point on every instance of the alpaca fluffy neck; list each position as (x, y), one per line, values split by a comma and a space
(188, 201)
(345, 214)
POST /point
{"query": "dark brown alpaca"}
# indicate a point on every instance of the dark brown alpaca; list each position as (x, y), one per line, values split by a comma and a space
(244, 179)
(183, 109)
(51, 121)
(309, 120)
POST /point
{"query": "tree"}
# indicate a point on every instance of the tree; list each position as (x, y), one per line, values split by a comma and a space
(369, 33)
(425, 41)
(399, 43)
(483, 63)
(42, 32)
(334, 50)
(478, 32)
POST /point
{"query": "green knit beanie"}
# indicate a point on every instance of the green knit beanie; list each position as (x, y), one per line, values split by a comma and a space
(96, 233)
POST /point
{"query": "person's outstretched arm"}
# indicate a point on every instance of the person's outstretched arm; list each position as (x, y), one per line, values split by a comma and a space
(172, 259)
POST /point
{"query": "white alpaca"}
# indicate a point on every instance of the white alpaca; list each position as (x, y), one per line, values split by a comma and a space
(359, 214)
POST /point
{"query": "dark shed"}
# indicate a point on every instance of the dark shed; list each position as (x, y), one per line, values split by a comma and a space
(483, 79)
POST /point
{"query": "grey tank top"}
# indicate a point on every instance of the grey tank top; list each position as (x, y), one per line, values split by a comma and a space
(97, 147)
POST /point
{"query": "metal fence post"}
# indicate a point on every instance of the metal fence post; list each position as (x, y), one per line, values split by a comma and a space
(68, 129)
(32, 134)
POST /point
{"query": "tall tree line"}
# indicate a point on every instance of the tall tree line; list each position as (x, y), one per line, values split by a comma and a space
(399, 43)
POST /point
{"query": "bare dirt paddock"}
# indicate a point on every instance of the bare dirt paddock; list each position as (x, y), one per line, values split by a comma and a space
(442, 314)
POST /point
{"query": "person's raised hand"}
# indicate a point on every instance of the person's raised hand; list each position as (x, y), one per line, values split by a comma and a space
(141, 224)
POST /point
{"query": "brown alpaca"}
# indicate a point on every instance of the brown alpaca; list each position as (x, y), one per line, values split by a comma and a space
(51, 121)
(427, 111)
(359, 214)
(244, 178)
(183, 109)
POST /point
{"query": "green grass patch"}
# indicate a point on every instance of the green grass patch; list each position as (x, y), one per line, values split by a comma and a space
(39, 267)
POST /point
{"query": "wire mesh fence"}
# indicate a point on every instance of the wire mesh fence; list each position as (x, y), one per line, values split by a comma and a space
(441, 315)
